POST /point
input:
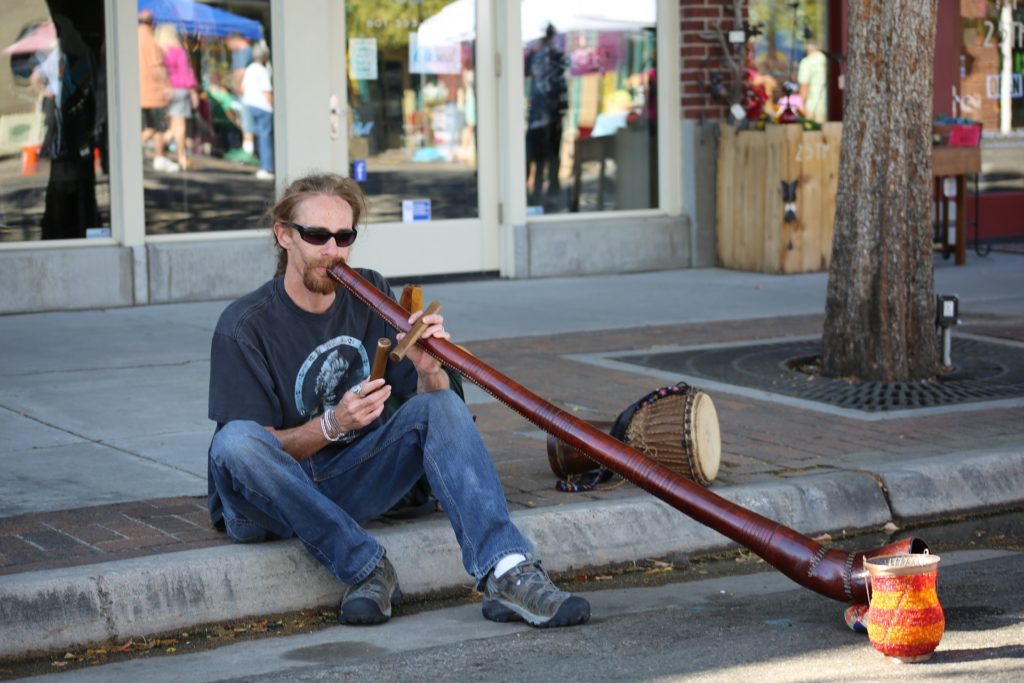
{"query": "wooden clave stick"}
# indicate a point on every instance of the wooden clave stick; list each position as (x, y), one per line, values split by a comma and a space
(380, 360)
(414, 333)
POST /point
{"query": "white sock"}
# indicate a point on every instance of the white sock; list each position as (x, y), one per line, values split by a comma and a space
(247, 146)
(506, 563)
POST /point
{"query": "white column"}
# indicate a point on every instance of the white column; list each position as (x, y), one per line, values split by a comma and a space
(488, 140)
(302, 64)
(127, 208)
(127, 204)
(669, 168)
(511, 142)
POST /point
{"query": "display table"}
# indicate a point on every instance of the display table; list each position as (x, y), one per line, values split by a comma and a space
(954, 162)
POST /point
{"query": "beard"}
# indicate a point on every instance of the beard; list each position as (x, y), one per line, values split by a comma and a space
(317, 283)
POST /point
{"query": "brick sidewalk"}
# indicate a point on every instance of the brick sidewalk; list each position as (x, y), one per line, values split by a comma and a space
(760, 439)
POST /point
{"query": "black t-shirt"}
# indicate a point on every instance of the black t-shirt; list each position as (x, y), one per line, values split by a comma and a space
(281, 366)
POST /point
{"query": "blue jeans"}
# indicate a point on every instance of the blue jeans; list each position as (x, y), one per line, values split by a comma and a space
(263, 131)
(324, 499)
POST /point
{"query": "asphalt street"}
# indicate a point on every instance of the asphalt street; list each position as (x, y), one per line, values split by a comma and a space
(753, 627)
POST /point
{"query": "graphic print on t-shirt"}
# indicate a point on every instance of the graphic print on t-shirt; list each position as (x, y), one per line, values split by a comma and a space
(328, 372)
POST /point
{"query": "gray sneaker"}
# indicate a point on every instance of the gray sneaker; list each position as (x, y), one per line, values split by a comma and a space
(370, 600)
(525, 592)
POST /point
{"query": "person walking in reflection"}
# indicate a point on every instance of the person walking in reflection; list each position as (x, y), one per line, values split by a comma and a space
(70, 83)
(184, 97)
(812, 75)
(545, 67)
(154, 93)
(258, 100)
(307, 445)
(241, 57)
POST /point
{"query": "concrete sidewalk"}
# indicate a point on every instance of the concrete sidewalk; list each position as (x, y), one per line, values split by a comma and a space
(103, 531)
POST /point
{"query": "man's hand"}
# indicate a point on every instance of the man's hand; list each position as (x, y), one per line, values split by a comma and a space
(431, 376)
(362, 404)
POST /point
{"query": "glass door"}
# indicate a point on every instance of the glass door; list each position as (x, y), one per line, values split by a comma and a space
(414, 119)
(590, 96)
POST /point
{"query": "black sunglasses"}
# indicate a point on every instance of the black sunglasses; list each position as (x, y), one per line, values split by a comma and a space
(320, 236)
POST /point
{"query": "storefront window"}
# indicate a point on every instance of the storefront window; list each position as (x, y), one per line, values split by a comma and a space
(790, 58)
(206, 99)
(992, 91)
(53, 123)
(590, 105)
(412, 98)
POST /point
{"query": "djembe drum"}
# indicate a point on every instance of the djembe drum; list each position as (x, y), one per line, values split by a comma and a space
(566, 461)
(675, 425)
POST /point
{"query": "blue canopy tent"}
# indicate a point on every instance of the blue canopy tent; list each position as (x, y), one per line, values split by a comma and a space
(201, 19)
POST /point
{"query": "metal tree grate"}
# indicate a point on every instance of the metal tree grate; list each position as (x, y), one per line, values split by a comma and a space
(984, 371)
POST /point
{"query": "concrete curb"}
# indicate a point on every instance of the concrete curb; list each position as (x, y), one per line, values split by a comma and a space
(55, 609)
(935, 487)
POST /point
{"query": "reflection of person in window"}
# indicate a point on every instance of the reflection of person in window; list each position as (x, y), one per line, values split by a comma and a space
(71, 189)
(241, 57)
(811, 76)
(258, 100)
(184, 97)
(154, 93)
(545, 66)
(45, 79)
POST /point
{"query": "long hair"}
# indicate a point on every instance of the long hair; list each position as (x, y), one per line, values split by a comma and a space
(329, 184)
(166, 36)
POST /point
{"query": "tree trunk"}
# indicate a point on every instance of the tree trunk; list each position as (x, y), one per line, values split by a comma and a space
(880, 311)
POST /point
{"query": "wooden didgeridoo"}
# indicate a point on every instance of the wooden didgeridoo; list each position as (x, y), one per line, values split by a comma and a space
(832, 572)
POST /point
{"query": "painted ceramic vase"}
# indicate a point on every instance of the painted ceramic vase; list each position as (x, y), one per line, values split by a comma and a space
(904, 620)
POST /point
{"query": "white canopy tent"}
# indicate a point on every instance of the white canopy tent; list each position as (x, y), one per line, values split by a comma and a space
(456, 23)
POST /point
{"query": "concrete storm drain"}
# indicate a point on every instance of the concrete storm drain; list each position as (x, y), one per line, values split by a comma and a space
(984, 370)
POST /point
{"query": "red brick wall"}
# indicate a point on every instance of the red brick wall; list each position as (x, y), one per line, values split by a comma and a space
(699, 58)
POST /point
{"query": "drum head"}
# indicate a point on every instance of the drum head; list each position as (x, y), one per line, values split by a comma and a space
(707, 440)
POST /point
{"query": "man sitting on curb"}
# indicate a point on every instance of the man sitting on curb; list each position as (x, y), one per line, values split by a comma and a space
(302, 448)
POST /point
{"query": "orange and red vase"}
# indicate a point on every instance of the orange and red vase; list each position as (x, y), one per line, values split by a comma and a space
(904, 619)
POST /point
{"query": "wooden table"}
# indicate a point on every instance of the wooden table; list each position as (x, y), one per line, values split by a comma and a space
(955, 162)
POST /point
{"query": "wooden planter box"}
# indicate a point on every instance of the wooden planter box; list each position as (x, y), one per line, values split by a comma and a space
(752, 233)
